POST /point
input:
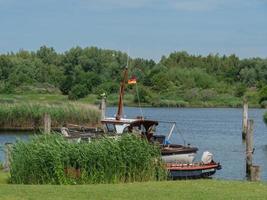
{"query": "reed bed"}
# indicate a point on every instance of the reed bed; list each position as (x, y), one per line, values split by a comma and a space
(50, 159)
(30, 115)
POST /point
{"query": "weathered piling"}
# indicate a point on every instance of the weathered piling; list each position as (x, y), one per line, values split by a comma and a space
(245, 119)
(8, 147)
(249, 147)
(103, 107)
(47, 123)
(255, 173)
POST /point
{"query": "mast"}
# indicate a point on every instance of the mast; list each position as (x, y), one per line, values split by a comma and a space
(122, 88)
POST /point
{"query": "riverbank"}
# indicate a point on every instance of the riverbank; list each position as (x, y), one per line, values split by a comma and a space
(25, 112)
(191, 189)
(112, 100)
(28, 115)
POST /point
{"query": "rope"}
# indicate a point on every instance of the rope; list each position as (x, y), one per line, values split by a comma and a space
(180, 134)
(138, 98)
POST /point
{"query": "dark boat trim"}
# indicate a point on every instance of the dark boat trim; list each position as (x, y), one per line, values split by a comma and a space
(192, 171)
(166, 150)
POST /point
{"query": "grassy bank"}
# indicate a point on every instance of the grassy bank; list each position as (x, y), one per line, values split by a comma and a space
(112, 100)
(193, 189)
(30, 115)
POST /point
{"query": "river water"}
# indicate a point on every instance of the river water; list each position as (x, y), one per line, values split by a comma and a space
(217, 130)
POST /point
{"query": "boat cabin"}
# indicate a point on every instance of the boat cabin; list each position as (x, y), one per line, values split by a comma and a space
(138, 126)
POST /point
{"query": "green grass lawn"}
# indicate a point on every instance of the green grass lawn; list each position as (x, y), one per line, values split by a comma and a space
(193, 189)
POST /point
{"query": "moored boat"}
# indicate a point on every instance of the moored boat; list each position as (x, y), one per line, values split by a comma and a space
(171, 153)
(191, 171)
(207, 167)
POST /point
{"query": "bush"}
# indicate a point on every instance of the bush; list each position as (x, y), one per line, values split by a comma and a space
(144, 95)
(263, 94)
(50, 159)
(207, 94)
(240, 90)
(77, 92)
(264, 104)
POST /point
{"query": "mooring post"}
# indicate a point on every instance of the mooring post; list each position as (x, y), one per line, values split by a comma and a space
(249, 147)
(245, 119)
(47, 123)
(255, 173)
(103, 107)
(8, 147)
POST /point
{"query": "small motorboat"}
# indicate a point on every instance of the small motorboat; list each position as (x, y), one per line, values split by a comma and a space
(171, 153)
(206, 168)
(174, 153)
(191, 171)
(146, 128)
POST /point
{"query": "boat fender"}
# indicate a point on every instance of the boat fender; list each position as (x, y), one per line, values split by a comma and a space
(207, 157)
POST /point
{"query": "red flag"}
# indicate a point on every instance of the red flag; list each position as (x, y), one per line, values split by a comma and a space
(132, 80)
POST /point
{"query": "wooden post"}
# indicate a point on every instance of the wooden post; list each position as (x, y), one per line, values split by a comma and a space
(249, 147)
(103, 107)
(255, 173)
(245, 119)
(47, 123)
(8, 147)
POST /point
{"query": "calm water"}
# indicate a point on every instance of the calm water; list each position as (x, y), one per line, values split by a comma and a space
(217, 130)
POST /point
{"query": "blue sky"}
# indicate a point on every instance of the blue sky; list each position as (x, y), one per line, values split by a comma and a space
(145, 28)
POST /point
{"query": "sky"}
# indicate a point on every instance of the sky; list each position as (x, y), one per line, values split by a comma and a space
(144, 28)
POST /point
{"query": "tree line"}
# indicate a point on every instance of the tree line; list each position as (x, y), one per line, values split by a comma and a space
(177, 79)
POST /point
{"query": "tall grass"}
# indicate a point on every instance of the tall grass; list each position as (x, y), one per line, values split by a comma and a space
(50, 159)
(30, 115)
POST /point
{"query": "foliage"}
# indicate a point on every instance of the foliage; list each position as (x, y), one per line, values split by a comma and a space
(263, 94)
(77, 92)
(91, 70)
(50, 159)
(143, 95)
(240, 90)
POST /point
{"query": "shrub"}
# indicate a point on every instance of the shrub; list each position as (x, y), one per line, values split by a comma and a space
(77, 92)
(240, 90)
(264, 104)
(143, 94)
(208, 94)
(50, 159)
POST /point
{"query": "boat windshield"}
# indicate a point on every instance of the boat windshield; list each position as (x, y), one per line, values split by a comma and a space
(111, 128)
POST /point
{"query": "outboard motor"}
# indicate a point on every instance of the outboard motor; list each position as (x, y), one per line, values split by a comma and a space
(207, 157)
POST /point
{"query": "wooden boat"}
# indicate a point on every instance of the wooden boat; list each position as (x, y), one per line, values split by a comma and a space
(145, 128)
(173, 153)
(192, 171)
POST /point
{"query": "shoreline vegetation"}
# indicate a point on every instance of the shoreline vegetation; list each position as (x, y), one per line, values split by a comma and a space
(82, 74)
(179, 79)
(105, 160)
(29, 116)
(24, 112)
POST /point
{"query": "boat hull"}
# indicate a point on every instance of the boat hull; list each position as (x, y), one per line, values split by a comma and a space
(192, 171)
(186, 158)
(179, 154)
